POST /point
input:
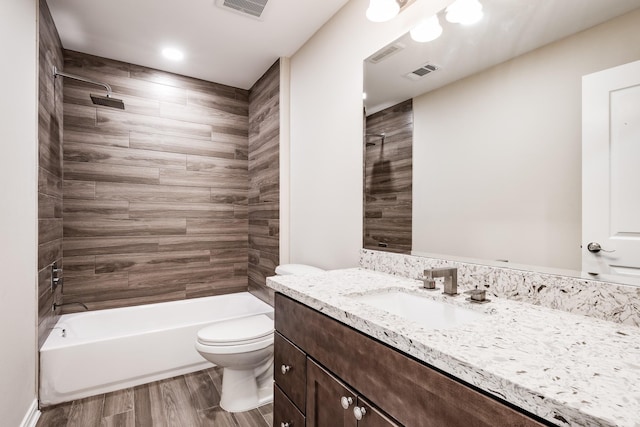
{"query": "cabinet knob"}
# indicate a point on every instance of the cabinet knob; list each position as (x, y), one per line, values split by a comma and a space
(359, 412)
(284, 369)
(283, 424)
(346, 402)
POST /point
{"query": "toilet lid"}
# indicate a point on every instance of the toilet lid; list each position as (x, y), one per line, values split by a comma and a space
(242, 330)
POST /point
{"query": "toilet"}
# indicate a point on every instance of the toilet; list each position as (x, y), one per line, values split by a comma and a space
(243, 347)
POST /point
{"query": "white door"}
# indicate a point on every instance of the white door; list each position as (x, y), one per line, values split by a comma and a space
(611, 171)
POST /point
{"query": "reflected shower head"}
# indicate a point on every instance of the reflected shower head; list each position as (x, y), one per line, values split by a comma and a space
(375, 135)
(107, 101)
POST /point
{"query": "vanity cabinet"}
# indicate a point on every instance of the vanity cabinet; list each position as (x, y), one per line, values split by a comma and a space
(393, 388)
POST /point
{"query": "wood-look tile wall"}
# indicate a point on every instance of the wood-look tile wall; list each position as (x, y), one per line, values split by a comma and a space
(155, 196)
(264, 181)
(388, 179)
(49, 170)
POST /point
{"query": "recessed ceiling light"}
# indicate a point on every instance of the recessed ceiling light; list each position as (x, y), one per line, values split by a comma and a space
(172, 54)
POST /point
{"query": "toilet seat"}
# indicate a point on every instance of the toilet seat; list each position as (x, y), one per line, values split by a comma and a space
(237, 335)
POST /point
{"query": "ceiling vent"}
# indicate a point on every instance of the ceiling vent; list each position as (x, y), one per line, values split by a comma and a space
(251, 8)
(421, 72)
(385, 52)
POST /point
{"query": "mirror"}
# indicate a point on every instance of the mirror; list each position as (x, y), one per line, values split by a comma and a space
(473, 141)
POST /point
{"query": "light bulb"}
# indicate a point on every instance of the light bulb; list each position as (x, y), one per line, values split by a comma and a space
(427, 30)
(382, 10)
(465, 12)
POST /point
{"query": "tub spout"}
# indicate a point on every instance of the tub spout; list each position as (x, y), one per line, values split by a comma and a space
(69, 303)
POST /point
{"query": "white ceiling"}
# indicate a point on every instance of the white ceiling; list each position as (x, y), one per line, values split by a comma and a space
(509, 28)
(219, 45)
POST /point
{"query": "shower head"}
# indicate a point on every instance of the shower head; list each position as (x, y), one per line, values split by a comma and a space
(107, 101)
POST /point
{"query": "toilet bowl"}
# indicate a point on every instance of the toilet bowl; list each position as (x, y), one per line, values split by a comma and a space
(244, 349)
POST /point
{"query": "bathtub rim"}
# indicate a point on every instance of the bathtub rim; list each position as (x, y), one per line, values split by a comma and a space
(53, 345)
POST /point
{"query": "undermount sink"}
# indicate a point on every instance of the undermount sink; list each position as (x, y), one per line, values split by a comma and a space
(427, 312)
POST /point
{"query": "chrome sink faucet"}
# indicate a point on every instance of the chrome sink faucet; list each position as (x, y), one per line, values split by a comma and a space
(450, 276)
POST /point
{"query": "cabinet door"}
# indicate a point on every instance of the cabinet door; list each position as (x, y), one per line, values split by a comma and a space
(372, 417)
(324, 400)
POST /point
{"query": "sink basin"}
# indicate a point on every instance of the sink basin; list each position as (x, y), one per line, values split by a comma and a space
(428, 313)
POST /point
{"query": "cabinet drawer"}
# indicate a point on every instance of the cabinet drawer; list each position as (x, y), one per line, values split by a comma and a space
(290, 370)
(284, 411)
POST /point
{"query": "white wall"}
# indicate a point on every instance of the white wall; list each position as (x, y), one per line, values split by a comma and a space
(326, 132)
(497, 156)
(284, 153)
(18, 223)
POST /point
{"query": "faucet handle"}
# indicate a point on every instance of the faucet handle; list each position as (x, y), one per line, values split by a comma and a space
(429, 284)
(55, 269)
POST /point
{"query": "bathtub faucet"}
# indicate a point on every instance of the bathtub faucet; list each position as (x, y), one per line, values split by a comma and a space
(69, 303)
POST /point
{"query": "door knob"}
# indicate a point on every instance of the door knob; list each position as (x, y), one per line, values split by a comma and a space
(346, 402)
(284, 369)
(594, 247)
(359, 412)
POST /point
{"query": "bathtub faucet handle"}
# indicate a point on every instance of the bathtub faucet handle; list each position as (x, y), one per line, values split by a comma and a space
(54, 268)
(55, 276)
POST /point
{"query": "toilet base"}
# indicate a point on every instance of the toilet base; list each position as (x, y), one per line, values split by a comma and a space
(244, 390)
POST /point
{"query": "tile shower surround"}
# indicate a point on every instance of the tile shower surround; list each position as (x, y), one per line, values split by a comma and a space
(49, 169)
(388, 179)
(264, 181)
(601, 300)
(155, 196)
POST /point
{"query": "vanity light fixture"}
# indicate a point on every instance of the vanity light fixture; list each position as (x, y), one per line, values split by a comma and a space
(465, 12)
(172, 54)
(427, 30)
(382, 10)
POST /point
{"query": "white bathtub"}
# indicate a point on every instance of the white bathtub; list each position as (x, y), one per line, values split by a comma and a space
(108, 350)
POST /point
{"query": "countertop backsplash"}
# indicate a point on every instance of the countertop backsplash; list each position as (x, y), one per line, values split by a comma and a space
(601, 300)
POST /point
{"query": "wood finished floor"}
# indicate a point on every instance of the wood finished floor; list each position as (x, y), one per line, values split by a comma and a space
(191, 400)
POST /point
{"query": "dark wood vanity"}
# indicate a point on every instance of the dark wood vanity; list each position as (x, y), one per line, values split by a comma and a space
(329, 375)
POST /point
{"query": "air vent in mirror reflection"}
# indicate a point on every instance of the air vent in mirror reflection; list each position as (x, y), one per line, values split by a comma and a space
(424, 70)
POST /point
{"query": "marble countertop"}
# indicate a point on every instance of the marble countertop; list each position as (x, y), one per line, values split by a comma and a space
(568, 369)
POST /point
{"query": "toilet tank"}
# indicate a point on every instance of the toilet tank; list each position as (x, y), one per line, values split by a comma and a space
(297, 269)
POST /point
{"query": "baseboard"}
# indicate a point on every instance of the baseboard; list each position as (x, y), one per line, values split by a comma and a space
(31, 417)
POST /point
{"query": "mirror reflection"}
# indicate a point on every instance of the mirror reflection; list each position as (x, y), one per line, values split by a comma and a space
(474, 141)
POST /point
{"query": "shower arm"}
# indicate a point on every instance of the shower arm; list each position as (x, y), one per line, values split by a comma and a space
(57, 73)
(381, 135)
